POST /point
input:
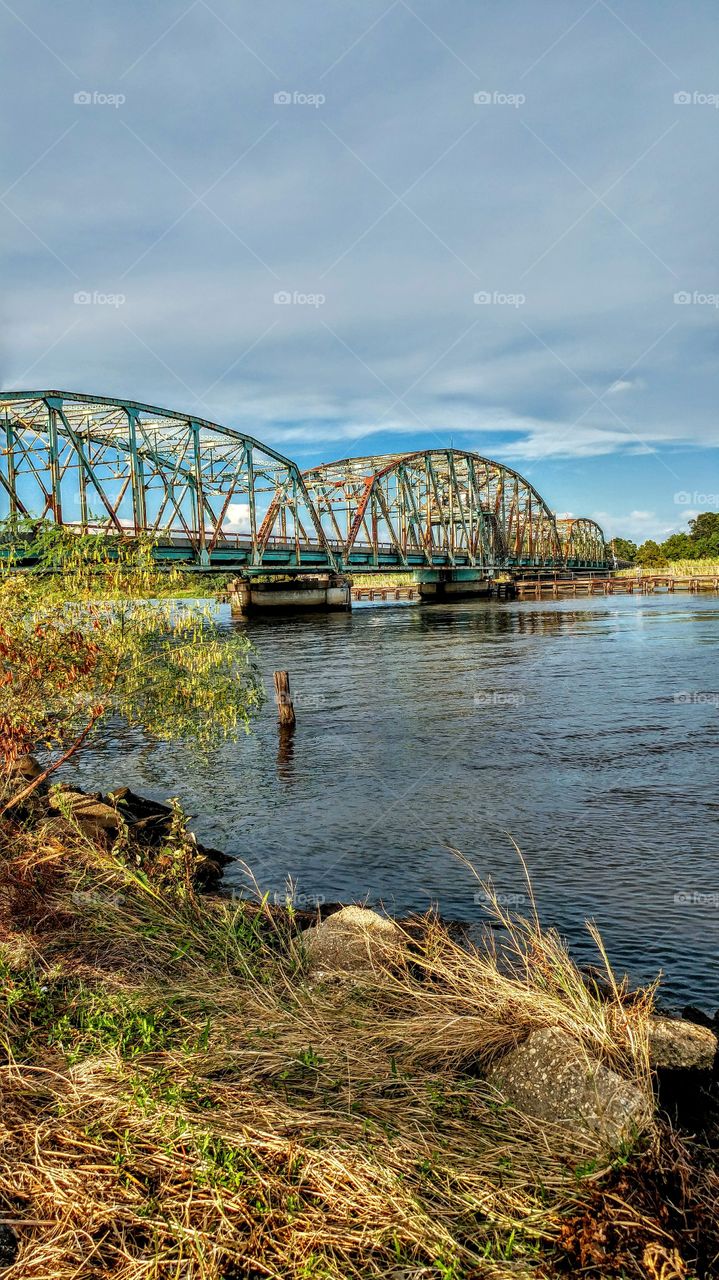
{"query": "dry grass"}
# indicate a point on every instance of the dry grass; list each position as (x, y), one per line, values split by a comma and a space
(681, 568)
(180, 1103)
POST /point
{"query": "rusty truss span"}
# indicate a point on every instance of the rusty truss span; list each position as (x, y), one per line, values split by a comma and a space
(214, 496)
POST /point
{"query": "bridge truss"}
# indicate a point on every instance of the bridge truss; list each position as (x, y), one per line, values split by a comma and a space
(213, 496)
(201, 489)
(441, 507)
(582, 542)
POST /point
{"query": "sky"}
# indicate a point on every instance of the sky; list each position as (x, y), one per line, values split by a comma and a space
(360, 228)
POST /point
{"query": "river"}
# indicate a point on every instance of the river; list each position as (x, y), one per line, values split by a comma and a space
(584, 731)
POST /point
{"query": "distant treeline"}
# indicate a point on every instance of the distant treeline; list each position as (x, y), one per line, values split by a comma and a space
(700, 543)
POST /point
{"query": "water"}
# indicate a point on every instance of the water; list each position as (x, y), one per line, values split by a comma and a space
(586, 731)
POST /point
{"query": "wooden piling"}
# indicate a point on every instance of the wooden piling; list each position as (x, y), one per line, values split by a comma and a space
(283, 698)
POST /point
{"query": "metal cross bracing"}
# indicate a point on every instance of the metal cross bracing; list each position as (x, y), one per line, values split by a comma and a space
(202, 490)
(211, 495)
(435, 508)
(582, 541)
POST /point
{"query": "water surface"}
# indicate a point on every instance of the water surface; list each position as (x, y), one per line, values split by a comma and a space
(586, 731)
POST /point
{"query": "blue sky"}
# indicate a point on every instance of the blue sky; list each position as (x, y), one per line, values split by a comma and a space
(495, 225)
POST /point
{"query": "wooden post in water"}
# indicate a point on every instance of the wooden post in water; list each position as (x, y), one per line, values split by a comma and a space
(283, 698)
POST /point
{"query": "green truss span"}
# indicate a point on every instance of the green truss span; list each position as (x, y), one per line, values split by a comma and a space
(213, 496)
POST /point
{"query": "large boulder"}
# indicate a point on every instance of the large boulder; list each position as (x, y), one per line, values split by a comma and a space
(678, 1045)
(552, 1079)
(353, 940)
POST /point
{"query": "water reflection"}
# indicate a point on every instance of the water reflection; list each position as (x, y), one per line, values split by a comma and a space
(286, 754)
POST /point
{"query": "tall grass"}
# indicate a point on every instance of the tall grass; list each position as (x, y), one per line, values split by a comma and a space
(681, 568)
(181, 1101)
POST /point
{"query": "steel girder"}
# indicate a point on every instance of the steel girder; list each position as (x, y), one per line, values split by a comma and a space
(94, 462)
(434, 507)
(212, 494)
(582, 541)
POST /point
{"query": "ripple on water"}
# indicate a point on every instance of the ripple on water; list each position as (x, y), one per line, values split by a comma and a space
(578, 730)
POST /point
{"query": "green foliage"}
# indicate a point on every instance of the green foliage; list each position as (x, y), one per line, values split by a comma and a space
(58, 1012)
(624, 549)
(85, 637)
(651, 555)
(700, 543)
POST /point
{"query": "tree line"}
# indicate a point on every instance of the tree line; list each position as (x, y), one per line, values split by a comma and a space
(701, 542)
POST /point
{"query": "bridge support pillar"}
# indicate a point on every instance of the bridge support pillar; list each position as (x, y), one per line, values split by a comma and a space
(446, 584)
(239, 593)
(319, 592)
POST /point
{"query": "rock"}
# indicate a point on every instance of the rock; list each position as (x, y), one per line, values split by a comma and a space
(677, 1045)
(27, 767)
(549, 1077)
(148, 822)
(353, 940)
(692, 1014)
(90, 810)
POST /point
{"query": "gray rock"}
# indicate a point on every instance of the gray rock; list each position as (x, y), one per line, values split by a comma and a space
(91, 811)
(676, 1045)
(551, 1078)
(353, 940)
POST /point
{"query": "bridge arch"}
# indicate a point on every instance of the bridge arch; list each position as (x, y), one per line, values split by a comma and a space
(433, 507)
(97, 462)
(582, 542)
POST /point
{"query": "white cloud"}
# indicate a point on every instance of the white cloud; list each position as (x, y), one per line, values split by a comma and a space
(626, 384)
(638, 526)
(237, 518)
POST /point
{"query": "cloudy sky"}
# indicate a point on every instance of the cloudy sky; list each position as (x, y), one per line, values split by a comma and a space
(361, 227)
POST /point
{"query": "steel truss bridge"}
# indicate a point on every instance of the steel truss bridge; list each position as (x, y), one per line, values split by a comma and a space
(214, 497)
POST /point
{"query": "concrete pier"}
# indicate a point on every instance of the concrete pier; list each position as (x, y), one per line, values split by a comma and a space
(311, 592)
(445, 585)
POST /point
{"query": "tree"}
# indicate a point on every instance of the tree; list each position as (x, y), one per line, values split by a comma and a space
(705, 525)
(623, 549)
(679, 546)
(704, 535)
(80, 641)
(651, 555)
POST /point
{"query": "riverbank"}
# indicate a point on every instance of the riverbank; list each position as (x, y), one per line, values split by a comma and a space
(214, 1088)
